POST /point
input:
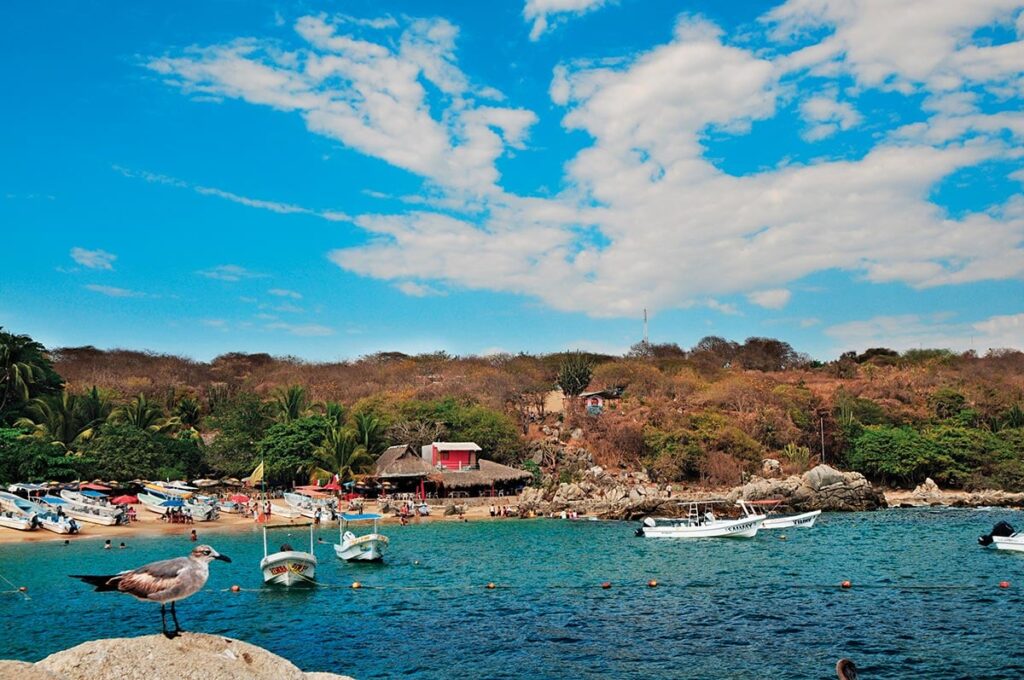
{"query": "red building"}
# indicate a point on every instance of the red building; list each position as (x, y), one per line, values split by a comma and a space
(451, 455)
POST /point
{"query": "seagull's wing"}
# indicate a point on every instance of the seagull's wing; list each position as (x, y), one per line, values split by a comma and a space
(153, 578)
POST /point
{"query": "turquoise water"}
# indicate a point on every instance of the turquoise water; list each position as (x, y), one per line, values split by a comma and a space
(925, 601)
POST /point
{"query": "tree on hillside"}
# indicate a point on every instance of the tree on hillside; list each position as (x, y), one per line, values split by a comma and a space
(31, 460)
(335, 413)
(144, 415)
(240, 423)
(56, 420)
(340, 454)
(369, 433)
(574, 374)
(290, 404)
(289, 449)
(25, 373)
(94, 408)
(188, 412)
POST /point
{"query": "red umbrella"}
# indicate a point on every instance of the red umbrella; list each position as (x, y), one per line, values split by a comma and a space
(94, 487)
(125, 500)
(239, 498)
(333, 486)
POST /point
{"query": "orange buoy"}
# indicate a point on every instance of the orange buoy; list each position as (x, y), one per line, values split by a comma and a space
(356, 585)
(235, 589)
(606, 585)
(491, 586)
(1004, 584)
(845, 584)
(652, 583)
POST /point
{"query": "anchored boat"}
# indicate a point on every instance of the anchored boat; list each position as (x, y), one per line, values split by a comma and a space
(1004, 537)
(288, 566)
(804, 520)
(366, 548)
(701, 522)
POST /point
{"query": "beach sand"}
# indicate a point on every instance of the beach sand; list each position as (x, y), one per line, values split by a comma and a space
(150, 524)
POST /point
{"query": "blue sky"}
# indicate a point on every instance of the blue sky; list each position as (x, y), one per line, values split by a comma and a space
(327, 180)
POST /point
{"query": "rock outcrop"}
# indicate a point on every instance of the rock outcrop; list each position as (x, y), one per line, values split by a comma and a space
(630, 495)
(191, 656)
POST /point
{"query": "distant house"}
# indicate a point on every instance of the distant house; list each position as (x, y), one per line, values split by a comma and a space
(595, 402)
(451, 455)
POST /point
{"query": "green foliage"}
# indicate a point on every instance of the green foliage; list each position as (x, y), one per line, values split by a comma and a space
(369, 434)
(144, 415)
(290, 404)
(124, 452)
(946, 403)
(574, 374)
(897, 455)
(239, 424)
(341, 453)
(289, 450)
(335, 413)
(923, 356)
(25, 374)
(188, 412)
(534, 470)
(495, 432)
(56, 420)
(26, 459)
(799, 456)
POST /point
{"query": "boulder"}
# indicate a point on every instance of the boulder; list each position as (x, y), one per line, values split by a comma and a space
(190, 656)
(822, 488)
(770, 467)
(822, 475)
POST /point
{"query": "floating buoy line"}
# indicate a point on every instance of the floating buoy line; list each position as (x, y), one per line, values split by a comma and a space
(16, 590)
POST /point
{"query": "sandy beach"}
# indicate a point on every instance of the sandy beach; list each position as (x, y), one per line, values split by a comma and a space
(150, 524)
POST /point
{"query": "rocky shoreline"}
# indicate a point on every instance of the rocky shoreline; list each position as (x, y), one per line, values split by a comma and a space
(929, 494)
(190, 656)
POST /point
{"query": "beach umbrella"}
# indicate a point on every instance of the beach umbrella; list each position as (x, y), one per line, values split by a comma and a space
(95, 487)
(125, 500)
(239, 498)
(333, 486)
(173, 503)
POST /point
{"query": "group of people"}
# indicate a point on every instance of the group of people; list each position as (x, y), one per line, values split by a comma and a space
(177, 516)
(503, 511)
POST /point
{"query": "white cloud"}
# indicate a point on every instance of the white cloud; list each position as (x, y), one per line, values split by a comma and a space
(827, 115)
(303, 330)
(369, 95)
(93, 259)
(545, 13)
(726, 308)
(283, 292)
(912, 331)
(230, 272)
(417, 289)
(774, 298)
(113, 291)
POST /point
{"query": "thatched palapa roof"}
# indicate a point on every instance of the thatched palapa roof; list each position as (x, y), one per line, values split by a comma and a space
(401, 461)
(486, 474)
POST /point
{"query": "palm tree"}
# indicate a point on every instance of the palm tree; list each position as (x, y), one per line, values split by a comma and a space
(370, 433)
(334, 413)
(145, 415)
(291, 404)
(93, 409)
(24, 370)
(188, 412)
(56, 420)
(339, 454)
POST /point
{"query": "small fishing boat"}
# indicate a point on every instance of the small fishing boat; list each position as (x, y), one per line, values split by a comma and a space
(287, 566)
(366, 548)
(16, 520)
(85, 513)
(700, 522)
(1004, 537)
(308, 505)
(44, 516)
(286, 511)
(162, 503)
(804, 520)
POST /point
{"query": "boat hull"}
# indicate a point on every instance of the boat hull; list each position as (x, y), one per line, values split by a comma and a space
(368, 548)
(289, 568)
(739, 528)
(21, 523)
(802, 521)
(83, 512)
(1013, 543)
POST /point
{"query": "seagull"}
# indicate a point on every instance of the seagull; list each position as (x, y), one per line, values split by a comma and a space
(846, 670)
(164, 581)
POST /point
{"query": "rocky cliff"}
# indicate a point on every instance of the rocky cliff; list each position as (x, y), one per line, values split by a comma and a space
(191, 656)
(630, 495)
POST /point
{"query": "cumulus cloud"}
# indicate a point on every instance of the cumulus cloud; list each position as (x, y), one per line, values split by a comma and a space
(546, 13)
(369, 94)
(417, 289)
(826, 116)
(93, 259)
(113, 291)
(774, 298)
(912, 331)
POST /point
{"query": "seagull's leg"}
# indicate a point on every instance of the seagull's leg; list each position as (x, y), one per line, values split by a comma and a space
(174, 615)
(163, 621)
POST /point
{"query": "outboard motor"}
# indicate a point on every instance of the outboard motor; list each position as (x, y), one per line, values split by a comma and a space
(1000, 529)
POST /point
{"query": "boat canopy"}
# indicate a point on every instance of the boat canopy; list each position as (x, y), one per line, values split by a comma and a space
(173, 503)
(88, 493)
(357, 518)
(14, 488)
(94, 487)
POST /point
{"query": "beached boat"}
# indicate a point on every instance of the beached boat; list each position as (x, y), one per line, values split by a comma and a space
(13, 519)
(44, 516)
(84, 513)
(308, 506)
(287, 566)
(701, 522)
(162, 504)
(804, 520)
(1004, 537)
(286, 511)
(366, 548)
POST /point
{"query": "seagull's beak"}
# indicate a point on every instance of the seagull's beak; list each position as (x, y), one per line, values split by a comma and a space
(222, 558)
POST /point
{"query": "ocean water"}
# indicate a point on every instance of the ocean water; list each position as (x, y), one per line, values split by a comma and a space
(925, 601)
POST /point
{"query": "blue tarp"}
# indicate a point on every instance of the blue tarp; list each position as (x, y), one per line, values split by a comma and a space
(173, 503)
(356, 518)
(92, 494)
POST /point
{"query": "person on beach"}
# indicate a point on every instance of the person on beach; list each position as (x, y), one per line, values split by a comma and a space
(193, 536)
(316, 517)
(106, 544)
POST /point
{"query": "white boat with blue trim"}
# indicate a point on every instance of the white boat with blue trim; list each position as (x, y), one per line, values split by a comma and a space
(366, 548)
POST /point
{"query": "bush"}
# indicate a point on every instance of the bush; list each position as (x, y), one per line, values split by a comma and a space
(896, 455)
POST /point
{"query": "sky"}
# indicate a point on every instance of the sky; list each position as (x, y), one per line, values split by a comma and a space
(331, 179)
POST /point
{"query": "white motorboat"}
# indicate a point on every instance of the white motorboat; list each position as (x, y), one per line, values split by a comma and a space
(366, 548)
(84, 513)
(44, 516)
(701, 522)
(286, 511)
(804, 520)
(16, 520)
(287, 566)
(1004, 537)
(161, 504)
(308, 506)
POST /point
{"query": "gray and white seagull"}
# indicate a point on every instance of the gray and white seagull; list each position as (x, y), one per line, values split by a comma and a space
(164, 581)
